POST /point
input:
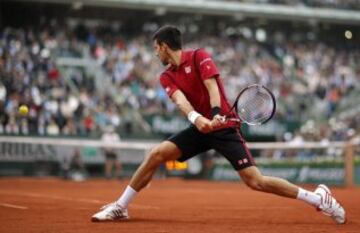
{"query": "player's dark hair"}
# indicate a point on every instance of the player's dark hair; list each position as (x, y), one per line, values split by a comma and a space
(169, 35)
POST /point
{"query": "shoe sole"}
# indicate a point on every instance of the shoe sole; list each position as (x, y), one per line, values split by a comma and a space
(109, 220)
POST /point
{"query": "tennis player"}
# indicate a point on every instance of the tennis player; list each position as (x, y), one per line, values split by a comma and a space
(193, 83)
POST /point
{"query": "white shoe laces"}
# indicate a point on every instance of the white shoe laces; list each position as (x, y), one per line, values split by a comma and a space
(116, 211)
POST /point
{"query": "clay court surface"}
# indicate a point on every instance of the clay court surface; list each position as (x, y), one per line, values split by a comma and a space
(44, 205)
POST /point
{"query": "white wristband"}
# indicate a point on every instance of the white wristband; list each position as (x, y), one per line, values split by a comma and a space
(193, 115)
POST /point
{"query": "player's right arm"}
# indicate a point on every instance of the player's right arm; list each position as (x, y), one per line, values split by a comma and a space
(202, 123)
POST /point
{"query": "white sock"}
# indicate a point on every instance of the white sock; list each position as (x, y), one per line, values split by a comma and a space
(309, 197)
(126, 197)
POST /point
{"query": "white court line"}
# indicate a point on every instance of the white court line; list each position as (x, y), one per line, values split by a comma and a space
(253, 208)
(84, 200)
(14, 206)
(54, 197)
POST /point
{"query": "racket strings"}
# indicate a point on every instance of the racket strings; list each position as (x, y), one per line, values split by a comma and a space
(255, 105)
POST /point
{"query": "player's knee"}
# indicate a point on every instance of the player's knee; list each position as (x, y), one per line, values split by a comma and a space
(156, 156)
(256, 183)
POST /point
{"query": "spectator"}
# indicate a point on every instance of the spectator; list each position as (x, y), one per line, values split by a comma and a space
(73, 168)
(52, 129)
(111, 158)
(309, 77)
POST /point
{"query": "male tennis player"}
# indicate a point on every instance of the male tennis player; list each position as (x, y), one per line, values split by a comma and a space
(193, 83)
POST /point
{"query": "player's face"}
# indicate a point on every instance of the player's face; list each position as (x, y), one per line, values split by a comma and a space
(160, 51)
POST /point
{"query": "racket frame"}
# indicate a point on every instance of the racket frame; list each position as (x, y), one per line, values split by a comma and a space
(235, 107)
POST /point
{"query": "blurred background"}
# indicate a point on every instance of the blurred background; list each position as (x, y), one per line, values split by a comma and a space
(88, 74)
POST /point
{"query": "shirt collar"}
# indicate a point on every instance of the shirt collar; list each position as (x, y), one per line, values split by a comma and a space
(183, 59)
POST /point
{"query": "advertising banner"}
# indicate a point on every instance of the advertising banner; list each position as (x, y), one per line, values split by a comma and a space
(332, 173)
(26, 159)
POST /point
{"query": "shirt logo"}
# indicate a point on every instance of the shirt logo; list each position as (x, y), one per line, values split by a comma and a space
(205, 60)
(167, 89)
(188, 69)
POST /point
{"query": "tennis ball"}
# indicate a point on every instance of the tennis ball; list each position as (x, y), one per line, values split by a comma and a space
(23, 110)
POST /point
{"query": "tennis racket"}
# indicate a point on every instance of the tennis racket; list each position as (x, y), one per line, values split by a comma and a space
(255, 105)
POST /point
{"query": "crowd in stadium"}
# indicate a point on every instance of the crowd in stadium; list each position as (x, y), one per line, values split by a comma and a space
(338, 4)
(304, 73)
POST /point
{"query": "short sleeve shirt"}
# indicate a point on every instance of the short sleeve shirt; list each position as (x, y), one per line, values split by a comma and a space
(189, 77)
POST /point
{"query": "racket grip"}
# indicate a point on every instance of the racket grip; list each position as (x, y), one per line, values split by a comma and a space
(224, 119)
(234, 119)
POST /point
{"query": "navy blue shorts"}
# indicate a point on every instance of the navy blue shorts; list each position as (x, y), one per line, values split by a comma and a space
(227, 142)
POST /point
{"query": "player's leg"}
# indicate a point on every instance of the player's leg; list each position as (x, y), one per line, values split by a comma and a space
(118, 209)
(181, 146)
(108, 168)
(230, 144)
(252, 177)
(321, 198)
(165, 151)
(118, 168)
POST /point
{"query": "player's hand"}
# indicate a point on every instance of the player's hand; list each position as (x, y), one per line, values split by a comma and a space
(203, 124)
(218, 122)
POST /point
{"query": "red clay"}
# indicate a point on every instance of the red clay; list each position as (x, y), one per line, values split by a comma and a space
(45, 205)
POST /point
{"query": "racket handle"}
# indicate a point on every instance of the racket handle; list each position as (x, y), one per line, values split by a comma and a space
(223, 119)
(234, 119)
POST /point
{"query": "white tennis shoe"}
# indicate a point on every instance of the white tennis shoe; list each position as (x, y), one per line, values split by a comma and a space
(110, 212)
(329, 206)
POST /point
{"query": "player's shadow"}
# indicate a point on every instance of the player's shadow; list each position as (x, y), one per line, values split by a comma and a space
(158, 220)
(205, 221)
